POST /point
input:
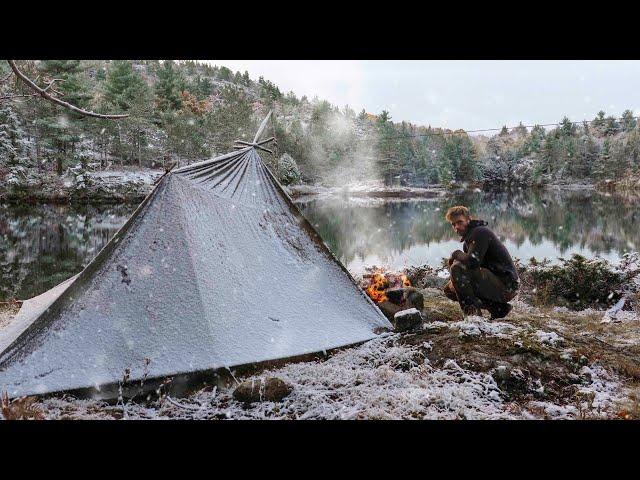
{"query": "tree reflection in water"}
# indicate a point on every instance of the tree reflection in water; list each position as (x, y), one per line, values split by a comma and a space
(40, 246)
(43, 245)
(540, 224)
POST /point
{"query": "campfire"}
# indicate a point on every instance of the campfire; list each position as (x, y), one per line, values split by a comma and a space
(377, 282)
(394, 294)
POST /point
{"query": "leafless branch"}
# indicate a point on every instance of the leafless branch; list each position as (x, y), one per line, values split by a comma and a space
(51, 84)
(44, 94)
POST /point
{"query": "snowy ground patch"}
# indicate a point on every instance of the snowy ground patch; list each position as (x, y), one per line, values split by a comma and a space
(377, 380)
(598, 399)
(475, 325)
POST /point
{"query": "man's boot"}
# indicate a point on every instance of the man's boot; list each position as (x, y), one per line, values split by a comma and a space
(499, 310)
(471, 310)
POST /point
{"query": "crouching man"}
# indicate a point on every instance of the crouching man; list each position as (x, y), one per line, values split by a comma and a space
(483, 275)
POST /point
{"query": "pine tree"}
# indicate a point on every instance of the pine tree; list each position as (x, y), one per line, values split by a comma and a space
(60, 130)
(598, 123)
(229, 121)
(602, 165)
(225, 74)
(628, 121)
(459, 149)
(124, 87)
(126, 91)
(12, 144)
(567, 128)
(386, 146)
(611, 125)
(520, 130)
(169, 86)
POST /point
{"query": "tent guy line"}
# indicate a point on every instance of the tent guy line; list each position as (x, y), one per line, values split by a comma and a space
(465, 132)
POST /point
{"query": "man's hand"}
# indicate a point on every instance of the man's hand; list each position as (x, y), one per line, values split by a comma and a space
(457, 255)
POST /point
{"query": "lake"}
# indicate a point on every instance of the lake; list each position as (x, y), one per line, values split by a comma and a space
(42, 245)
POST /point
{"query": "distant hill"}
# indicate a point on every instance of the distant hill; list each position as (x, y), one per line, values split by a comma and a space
(186, 111)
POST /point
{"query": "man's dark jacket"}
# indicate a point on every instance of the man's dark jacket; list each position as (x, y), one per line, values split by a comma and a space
(484, 249)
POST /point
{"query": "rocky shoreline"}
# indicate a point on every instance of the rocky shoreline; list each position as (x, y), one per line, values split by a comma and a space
(132, 185)
(98, 187)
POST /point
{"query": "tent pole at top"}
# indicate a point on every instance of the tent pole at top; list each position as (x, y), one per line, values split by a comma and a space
(262, 127)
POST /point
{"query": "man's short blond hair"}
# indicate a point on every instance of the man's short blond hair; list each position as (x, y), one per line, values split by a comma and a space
(456, 211)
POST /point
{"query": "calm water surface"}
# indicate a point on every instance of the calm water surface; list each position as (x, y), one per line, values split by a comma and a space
(40, 246)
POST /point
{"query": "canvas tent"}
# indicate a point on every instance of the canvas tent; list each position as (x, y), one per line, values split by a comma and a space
(216, 268)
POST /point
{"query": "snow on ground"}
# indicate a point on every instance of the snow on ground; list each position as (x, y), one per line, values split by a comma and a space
(117, 177)
(377, 380)
(392, 378)
(596, 400)
(551, 338)
(381, 379)
(475, 325)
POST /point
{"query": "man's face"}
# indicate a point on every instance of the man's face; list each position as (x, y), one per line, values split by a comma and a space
(459, 224)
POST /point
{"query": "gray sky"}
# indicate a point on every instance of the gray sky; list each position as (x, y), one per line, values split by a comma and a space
(460, 94)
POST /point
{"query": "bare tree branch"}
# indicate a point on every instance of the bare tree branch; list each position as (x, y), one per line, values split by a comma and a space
(44, 94)
(51, 84)
(6, 77)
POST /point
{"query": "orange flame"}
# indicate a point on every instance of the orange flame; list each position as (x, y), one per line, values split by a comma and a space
(377, 287)
(379, 281)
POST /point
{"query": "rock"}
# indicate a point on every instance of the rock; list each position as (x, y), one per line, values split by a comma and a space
(432, 293)
(407, 320)
(389, 309)
(442, 310)
(510, 380)
(425, 276)
(436, 327)
(433, 281)
(270, 389)
(414, 298)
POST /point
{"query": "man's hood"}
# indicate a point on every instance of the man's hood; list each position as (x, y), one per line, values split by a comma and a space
(472, 224)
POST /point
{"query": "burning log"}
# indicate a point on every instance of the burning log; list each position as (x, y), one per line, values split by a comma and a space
(391, 291)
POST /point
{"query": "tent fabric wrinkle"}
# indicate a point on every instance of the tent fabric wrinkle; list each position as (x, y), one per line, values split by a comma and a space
(217, 268)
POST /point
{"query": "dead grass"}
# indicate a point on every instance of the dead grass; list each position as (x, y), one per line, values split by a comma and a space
(8, 310)
(23, 408)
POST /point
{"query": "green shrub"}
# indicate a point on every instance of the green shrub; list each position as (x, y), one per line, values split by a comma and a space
(576, 283)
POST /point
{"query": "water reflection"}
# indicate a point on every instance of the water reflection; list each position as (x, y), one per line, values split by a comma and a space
(40, 246)
(550, 224)
(43, 245)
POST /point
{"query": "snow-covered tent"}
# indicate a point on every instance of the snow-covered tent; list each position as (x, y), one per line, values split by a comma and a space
(216, 268)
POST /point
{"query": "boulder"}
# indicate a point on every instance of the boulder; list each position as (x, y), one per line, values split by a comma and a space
(432, 293)
(270, 389)
(441, 309)
(389, 309)
(407, 320)
(414, 298)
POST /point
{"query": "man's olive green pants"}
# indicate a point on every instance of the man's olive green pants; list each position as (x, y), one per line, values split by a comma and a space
(477, 287)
